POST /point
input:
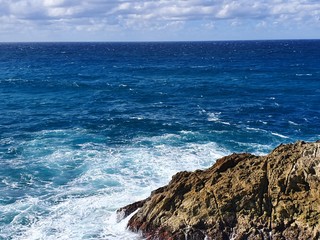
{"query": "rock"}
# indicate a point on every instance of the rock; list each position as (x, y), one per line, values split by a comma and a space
(241, 196)
(127, 210)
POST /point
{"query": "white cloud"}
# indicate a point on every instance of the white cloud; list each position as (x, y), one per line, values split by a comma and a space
(96, 15)
(53, 3)
(158, 10)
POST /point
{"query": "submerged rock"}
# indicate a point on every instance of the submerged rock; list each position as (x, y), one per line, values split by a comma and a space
(241, 196)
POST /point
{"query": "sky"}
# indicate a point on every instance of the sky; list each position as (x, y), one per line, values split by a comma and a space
(157, 20)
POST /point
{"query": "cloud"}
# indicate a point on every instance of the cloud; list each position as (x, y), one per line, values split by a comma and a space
(95, 15)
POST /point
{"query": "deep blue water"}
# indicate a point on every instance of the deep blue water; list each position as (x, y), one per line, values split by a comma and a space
(86, 128)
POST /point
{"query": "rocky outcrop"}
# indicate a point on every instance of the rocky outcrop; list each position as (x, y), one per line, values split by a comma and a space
(241, 196)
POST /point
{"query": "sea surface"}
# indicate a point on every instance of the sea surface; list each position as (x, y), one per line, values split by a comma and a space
(86, 128)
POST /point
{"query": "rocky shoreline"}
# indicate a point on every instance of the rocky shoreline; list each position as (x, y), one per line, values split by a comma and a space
(241, 196)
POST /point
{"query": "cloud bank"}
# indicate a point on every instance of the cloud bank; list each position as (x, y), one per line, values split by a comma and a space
(123, 16)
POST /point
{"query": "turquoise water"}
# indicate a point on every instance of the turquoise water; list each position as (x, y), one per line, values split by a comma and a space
(86, 128)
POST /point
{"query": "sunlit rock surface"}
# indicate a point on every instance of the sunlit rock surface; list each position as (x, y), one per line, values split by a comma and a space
(241, 196)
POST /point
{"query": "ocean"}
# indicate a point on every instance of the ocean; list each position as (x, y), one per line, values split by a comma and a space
(86, 128)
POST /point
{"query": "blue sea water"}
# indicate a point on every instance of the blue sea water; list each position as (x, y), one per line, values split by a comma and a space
(86, 128)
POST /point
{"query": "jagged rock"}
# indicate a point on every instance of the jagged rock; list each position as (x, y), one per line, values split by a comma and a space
(241, 196)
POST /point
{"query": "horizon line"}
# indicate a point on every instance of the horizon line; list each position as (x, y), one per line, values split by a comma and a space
(168, 41)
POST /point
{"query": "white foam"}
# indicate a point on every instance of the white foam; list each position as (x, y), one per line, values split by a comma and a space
(263, 122)
(303, 74)
(293, 123)
(214, 116)
(279, 135)
(107, 178)
(116, 229)
(137, 118)
(253, 129)
(256, 129)
(77, 218)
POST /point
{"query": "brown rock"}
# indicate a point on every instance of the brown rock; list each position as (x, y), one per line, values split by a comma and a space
(241, 196)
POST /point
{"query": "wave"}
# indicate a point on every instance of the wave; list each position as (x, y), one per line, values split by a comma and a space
(279, 135)
(70, 189)
(293, 123)
(214, 117)
(303, 74)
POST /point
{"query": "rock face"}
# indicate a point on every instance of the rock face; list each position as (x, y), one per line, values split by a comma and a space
(241, 196)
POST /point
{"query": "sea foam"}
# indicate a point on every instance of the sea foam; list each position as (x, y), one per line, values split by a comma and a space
(85, 185)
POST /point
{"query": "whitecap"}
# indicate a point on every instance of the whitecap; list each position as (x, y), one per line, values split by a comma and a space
(303, 74)
(254, 129)
(263, 122)
(279, 135)
(137, 118)
(214, 116)
(293, 123)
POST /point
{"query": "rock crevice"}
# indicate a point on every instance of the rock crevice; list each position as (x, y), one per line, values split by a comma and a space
(241, 196)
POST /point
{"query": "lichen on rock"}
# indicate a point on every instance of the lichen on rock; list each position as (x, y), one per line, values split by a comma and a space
(241, 196)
